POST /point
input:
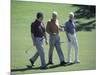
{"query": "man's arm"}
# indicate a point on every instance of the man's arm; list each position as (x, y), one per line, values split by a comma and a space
(45, 36)
(33, 39)
(59, 27)
(66, 31)
(68, 37)
(48, 28)
(65, 27)
(32, 34)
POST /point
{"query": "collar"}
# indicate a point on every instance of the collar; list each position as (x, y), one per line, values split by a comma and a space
(37, 21)
(53, 20)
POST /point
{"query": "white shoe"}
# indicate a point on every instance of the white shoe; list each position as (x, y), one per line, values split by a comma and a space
(69, 62)
(77, 61)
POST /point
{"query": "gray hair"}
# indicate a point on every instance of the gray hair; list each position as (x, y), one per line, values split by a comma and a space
(54, 13)
(71, 13)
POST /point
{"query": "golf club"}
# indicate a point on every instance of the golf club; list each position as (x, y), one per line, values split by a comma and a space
(26, 51)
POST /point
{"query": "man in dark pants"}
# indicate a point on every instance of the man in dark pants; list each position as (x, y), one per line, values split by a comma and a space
(38, 34)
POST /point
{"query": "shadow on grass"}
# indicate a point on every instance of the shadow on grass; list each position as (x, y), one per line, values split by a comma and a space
(38, 68)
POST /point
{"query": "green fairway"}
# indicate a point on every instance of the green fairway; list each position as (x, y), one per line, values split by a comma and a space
(22, 15)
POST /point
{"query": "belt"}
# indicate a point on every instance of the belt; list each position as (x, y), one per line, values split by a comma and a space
(40, 37)
(53, 34)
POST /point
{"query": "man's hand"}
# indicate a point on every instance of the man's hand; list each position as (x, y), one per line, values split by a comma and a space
(61, 29)
(33, 44)
(68, 37)
(54, 34)
(46, 42)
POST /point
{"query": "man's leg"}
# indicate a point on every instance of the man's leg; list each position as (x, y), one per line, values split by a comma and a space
(75, 44)
(51, 44)
(34, 58)
(58, 48)
(69, 52)
(39, 46)
(69, 45)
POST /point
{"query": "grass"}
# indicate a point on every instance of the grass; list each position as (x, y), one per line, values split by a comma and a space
(22, 14)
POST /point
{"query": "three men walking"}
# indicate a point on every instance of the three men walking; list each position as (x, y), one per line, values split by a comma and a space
(38, 33)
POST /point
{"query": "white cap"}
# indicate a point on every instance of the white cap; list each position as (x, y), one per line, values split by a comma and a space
(54, 13)
(71, 13)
